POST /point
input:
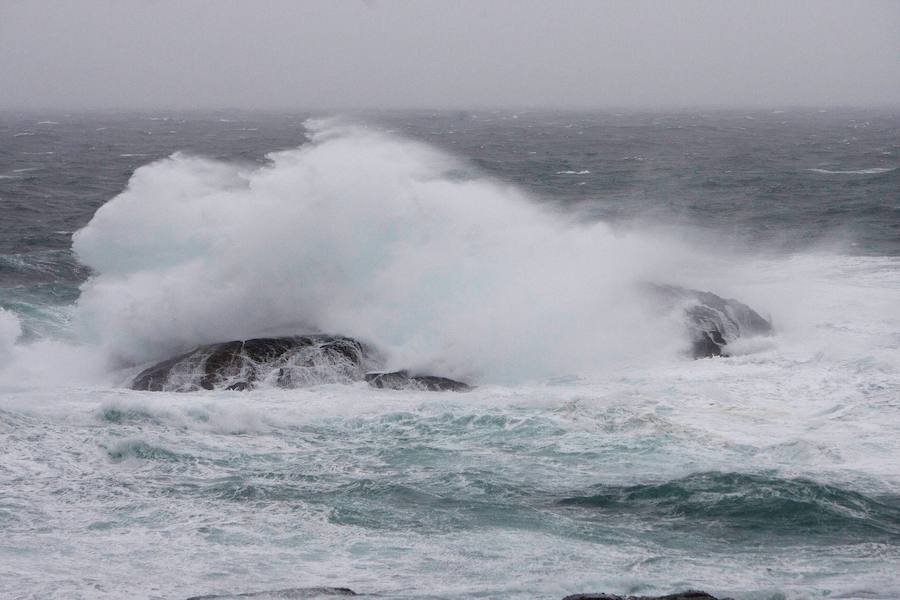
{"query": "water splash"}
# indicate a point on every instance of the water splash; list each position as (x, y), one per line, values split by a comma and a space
(365, 234)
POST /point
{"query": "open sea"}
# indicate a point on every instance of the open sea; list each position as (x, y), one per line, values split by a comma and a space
(493, 247)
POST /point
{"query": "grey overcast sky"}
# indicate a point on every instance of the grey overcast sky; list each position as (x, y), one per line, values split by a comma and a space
(452, 53)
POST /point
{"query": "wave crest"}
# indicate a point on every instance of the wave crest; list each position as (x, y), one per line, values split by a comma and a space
(372, 236)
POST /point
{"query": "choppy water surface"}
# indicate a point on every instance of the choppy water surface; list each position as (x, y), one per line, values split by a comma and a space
(592, 456)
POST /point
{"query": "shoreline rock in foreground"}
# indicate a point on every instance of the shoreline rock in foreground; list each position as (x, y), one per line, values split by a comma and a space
(290, 593)
(689, 595)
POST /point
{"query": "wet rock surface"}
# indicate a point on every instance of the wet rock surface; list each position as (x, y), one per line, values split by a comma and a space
(240, 365)
(402, 380)
(282, 362)
(712, 322)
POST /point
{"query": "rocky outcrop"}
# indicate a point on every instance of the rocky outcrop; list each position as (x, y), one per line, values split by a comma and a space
(285, 362)
(712, 322)
(290, 593)
(282, 362)
(692, 595)
(402, 380)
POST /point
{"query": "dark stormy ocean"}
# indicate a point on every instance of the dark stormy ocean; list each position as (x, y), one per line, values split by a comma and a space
(498, 248)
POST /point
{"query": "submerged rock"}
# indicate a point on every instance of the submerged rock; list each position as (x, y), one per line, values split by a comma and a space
(291, 593)
(691, 595)
(240, 365)
(712, 321)
(402, 380)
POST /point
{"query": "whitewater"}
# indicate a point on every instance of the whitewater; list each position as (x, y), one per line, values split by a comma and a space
(593, 453)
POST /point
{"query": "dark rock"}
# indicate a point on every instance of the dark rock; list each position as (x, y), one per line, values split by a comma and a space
(691, 595)
(402, 380)
(291, 593)
(223, 362)
(156, 378)
(712, 321)
(284, 362)
(239, 386)
(241, 365)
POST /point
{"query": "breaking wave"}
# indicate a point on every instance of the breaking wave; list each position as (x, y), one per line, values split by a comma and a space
(373, 236)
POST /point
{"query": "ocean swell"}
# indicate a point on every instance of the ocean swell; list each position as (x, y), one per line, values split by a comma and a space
(735, 502)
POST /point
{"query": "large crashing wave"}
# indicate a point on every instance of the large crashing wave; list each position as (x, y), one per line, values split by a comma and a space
(373, 236)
